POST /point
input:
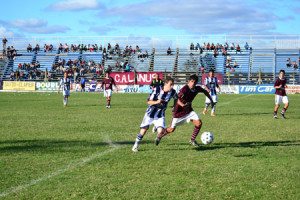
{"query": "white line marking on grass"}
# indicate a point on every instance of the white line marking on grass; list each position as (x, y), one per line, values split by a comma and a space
(228, 102)
(63, 170)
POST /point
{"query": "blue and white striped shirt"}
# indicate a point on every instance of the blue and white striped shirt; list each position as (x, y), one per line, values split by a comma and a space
(211, 84)
(65, 84)
(159, 94)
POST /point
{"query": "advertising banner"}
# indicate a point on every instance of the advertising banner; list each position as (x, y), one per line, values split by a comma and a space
(145, 78)
(47, 86)
(123, 78)
(229, 89)
(256, 89)
(218, 76)
(293, 89)
(18, 85)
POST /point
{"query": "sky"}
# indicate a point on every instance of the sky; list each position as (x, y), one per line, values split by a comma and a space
(148, 18)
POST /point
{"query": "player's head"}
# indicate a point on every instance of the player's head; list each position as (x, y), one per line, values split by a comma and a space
(156, 76)
(281, 73)
(193, 80)
(65, 75)
(169, 83)
(106, 74)
(211, 72)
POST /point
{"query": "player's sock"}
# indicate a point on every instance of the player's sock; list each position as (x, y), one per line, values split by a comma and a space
(275, 113)
(64, 101)
(214, 108)
(195, 132)
(67, 100)
(283, 111)
(108, 102)
(139, 138)
(206, 106)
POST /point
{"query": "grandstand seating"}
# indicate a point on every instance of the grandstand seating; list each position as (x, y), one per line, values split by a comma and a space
(180, 64)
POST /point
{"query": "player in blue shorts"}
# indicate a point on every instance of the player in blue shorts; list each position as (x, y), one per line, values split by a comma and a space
(158, 101)
(66, 84)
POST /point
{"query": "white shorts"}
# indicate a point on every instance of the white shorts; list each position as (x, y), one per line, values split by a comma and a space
(279, 99)
(158, 122)
(107, 93)
(214, 98)
(66, 93)
(179, 121)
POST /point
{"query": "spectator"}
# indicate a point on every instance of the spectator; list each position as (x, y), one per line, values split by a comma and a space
(226, 46)
(37, 48)
(66, 48)
(169, 51)
(246, 46)
(49, 76)
(215, 53)
(37, 64)
(232, 46)
(128, 68)
(109, 69)
(100, 48)
(98, 70)
(299, 60)
(146, 55)
(235, 65)
(192, 46)
(224, 52)
(289, 63)
(156, 82)
(82, 84)
(20, 66)
(208, 46)
(295, 65)
(228, 58)
(29, 48)
(140, 55)
(60, 47)
(12, 75)
(198, 46)
(238, 49)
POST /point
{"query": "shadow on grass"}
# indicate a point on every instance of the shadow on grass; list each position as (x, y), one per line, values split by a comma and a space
(254, 144)
(266, 113)
(54, 145)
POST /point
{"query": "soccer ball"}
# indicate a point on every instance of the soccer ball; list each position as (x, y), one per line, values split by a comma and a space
(207, 137)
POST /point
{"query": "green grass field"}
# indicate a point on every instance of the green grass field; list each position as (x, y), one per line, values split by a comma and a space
(84, 151)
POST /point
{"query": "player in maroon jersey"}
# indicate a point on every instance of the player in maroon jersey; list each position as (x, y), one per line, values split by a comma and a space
(108, 82)
(184, 111)
(280, 94)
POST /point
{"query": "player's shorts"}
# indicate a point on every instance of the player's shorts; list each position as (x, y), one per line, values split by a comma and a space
(158, 122)
(188, 117)
(66, 93)
(279, 99)
(107, 93)
(214, 98)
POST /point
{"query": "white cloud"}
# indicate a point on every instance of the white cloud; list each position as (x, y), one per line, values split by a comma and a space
(75, 5)
(46, 29)
(27, 23)
(4, 32)
(196, 16)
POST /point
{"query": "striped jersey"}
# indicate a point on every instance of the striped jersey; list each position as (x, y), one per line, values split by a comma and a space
(211, 84)
(158, 111)
(65, 84)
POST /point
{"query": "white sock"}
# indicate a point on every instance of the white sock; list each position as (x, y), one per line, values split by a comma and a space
(214, 108)
(206, 106)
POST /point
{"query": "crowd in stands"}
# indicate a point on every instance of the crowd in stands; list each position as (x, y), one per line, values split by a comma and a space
(294, 64)
(218, 48)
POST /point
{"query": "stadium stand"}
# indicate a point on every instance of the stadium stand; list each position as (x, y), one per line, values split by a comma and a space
(180, 64)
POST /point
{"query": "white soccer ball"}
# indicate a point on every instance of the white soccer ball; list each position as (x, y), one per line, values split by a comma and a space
(207, 137)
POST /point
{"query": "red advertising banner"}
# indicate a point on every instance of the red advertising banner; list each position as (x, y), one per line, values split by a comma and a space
(123, 78)
(127, 78)
(219, 77)
(145, 78)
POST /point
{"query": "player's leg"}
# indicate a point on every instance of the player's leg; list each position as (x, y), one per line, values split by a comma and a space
(285, 100)
(198, 124)
(207, 103)
(214, 98)
(139, 138)
(170, 129)
(278, 100)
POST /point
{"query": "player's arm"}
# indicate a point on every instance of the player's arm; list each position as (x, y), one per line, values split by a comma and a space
(208, 90)
(218, 86)
(101, 85)
(59, 86)
(151, 102)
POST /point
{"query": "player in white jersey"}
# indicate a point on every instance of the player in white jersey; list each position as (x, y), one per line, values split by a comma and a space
(66, 85)
(158, 101)
(210, 84)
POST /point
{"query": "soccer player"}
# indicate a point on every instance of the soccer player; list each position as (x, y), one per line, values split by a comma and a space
(210, 84)
(108, 82)
(184, 111)
(66, 85)
(158, 101)
(280, 95)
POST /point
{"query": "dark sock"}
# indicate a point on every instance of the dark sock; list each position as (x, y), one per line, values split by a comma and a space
(283, 111)
(195, 132)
